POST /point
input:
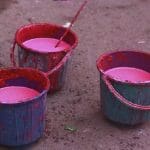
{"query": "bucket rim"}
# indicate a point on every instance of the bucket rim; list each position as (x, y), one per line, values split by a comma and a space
(45, 90)
(119, 81)
(42, 24)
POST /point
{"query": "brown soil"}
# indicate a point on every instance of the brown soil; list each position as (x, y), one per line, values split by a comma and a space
(103, 25)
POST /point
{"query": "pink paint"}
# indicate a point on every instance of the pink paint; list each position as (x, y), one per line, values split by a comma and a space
(15, 94)
(46, 45)
(128, 74)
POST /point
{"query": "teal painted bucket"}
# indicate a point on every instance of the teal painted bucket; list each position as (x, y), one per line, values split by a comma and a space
(54, 64)
(123, 101)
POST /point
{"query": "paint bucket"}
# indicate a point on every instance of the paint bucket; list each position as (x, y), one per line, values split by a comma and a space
(23, 122)
(54, 64)
(122, 101)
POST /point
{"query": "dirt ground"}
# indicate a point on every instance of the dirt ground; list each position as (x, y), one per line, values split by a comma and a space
(103, 25)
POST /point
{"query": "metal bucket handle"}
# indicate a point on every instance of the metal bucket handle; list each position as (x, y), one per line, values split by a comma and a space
(123, 99)
(68, 54)
(12, 55)
(60, 64)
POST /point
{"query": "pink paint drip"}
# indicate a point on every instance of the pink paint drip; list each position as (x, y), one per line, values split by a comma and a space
(46, 45)
(16, 94)
(128, 74)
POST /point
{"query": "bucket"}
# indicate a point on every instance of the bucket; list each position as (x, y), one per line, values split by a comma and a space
(22, 123)
(123, 101)
(54, 64)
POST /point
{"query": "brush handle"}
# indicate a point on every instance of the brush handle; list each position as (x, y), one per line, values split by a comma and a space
(72, 22)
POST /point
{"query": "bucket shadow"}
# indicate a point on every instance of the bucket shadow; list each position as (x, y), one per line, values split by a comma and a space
(120, 125)
(24, 147)
(102, 118)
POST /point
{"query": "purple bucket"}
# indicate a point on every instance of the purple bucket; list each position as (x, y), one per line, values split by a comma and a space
(23, 122)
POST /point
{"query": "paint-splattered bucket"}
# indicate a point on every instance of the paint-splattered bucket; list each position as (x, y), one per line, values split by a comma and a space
(121, 101)
(23, 122)
(54, 64)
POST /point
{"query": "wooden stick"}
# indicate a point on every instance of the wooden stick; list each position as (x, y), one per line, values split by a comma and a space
(72, 22)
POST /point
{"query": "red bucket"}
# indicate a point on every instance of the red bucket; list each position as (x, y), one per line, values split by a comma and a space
(54, 64)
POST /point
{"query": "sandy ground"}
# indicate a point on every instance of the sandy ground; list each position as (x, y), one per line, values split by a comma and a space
(104, 25)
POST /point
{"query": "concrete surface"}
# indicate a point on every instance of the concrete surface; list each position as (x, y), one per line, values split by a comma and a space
(103, 25)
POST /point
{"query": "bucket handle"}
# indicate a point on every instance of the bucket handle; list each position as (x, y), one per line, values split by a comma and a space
(12, 58)
(58, 66)
(121, 98)
(12, 55)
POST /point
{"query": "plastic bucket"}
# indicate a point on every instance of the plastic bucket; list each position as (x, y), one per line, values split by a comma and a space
(122, 101)
(23, 122)
(54, 64)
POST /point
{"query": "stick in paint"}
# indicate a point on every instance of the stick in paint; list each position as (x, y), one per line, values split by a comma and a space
(72, 22)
